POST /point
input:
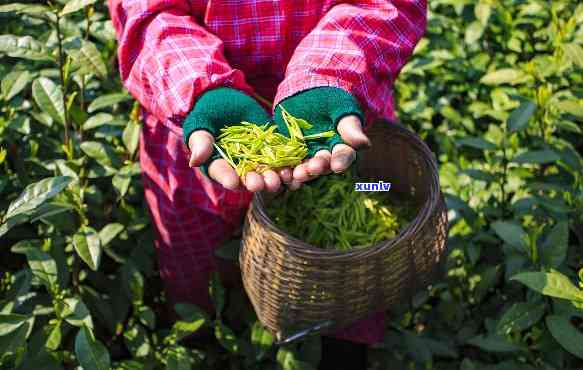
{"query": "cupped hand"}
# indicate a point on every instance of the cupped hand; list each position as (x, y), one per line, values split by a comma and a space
(325, 109)
(201, 148)
(339, 160)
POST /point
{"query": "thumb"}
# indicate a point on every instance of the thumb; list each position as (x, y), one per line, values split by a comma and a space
(350, 130)
(201, 147)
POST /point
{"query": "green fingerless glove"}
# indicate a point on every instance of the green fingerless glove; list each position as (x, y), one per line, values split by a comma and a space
(322, 107)
(218, 108)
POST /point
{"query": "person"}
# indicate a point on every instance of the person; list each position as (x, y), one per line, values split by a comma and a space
(196, 66)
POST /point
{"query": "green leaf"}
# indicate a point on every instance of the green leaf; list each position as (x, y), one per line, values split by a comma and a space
(554, 249)
(261, 339)
(474, 32)
(147, 317)
(574, 52)
(226, 337)
(193, 318)
(480, 175)
(16, 341)
(131, 137)
(518, 119)
(122, 179)
(566, 334)
(510, 233)
(574, 107)
(190, 312)
(287, 359)
(42, 265)
(76, 313)
(88, 60)
(49, 97)
(10, 322)
(29, 9)
(183, 329)
(37, 193)
(105, 101)
(76, 5)
(41, 212)
(88, 246)
(178, 358)
(24, 47)
(97, 120)
(54, 338)
(14, 83)
(109, 232)
(482, 11)
(537, 157)
(494, 343)
(217, 293)
(137, 341)
(102, 153)
(133, 282)
(505, 76)
(476, 142)
(520, 316)
(553, 284)
(90, 353)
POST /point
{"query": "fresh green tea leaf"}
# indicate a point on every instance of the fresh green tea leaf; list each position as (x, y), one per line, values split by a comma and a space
(537, 157)
(88, 246)
(519, 118)
(520, 316)
(75, 5)
(105, 101)
(568, 336)
(554, 249)
(90, 352)
(552, 284)
(49, 97)
(24, 47)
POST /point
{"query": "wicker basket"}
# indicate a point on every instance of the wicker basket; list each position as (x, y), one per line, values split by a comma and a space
(297, 289)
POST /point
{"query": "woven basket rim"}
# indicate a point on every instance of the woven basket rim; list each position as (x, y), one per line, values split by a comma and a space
(422, 217)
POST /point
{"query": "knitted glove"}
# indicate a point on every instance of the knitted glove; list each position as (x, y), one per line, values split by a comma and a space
(218, 108)
(322, 107)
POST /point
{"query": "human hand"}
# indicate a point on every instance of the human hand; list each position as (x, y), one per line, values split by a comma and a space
(325, 108)
(214, 110)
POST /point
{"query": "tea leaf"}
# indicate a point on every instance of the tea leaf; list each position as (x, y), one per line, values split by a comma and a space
(75, 5)
(49, 98)
(552, 284)
(568, 336)
(90, 352)
(518, 119)
(88, 246)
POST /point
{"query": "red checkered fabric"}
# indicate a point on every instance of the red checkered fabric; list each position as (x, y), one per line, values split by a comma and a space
(171, 51)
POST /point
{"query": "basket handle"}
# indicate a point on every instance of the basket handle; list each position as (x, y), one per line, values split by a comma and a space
(314, 329)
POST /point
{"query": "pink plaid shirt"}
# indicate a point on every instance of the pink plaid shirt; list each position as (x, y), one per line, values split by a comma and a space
(171, 51)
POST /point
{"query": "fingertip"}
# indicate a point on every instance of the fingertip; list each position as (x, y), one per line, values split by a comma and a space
(254, 182)
(272, 181)
(201, 147)
(342, 157)
(222, 172)
(300, 173)
(351, 131)
(286, 175)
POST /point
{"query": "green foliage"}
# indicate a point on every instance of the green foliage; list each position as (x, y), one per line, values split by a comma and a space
(494, 88)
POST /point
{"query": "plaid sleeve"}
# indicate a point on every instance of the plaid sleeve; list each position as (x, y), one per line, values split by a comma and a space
(166, 59)
(359, 47)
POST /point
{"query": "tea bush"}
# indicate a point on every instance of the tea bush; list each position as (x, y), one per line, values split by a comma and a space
(495, 88)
